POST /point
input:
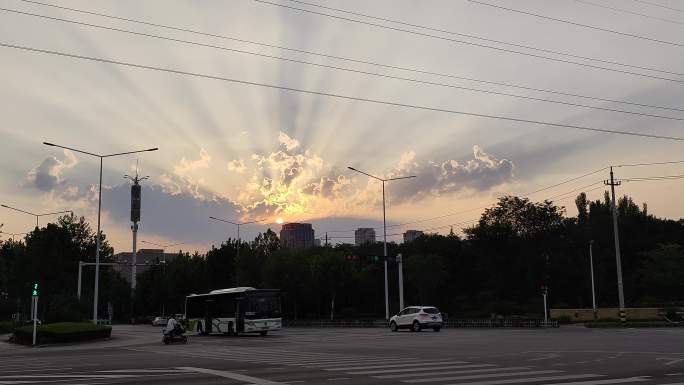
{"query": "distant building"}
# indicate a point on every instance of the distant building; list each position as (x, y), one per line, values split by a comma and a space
(317, 242)
(148, 257)
(364, 235)
(297, 235)
(411, 235)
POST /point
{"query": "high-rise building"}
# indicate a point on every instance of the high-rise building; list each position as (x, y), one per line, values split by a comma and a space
(145, 258)
(297, 235)
(364, 235)
(411, 235)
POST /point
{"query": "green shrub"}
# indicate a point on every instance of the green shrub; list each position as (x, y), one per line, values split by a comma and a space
(62, 332)
(631, 324)
(7, 326)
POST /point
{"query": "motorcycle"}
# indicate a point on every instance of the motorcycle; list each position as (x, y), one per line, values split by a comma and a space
(176, 335)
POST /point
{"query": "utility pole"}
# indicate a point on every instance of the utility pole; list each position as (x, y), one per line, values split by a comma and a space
(384, 229)
(400, 261)
(621, 295)
(593, 289)
(326, 239)
(136, 194)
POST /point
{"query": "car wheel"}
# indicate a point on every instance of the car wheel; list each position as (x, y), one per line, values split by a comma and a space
(166, 340)
(184, 339)
(415, 327)
(393, 326)
(263, 333)
(436, 328)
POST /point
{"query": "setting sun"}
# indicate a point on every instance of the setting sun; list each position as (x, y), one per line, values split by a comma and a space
(280, 221)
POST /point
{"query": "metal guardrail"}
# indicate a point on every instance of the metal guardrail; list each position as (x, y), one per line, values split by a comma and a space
(451, 324)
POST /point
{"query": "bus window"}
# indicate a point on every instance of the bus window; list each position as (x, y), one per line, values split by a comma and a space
(263, 307)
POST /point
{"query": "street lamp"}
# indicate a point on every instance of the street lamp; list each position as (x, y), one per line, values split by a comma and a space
(238, 224)
(37, 215)
(384, 236)
(99, 209)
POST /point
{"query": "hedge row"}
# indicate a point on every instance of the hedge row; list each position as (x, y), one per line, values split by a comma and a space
(633, 324)
(7, 326)
(62, 332)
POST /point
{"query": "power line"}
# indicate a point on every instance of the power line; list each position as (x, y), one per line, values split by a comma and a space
(389, 66)
(471, 43)
(650, 164)
(485, 206)
(652, 178)
(579, 24)
(659, 5)
(412, 80)
(434, 29)
(630, 12)
(339, 96)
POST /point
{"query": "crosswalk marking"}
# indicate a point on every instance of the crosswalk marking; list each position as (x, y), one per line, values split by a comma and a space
(601, 382)
(531, 379)
(406, 375)
(430, 365)
(421, 369)
(233, 376)
(335, 363)
(477, 376)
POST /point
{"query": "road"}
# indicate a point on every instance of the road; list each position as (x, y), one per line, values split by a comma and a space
(569, 355)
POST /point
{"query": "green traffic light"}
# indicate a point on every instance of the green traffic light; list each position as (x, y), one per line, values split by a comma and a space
(34, 293)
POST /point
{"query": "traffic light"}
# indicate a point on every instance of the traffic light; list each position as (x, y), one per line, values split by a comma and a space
(34, 293)
(376, 258)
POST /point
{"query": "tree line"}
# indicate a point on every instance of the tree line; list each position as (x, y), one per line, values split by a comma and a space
(496, 267)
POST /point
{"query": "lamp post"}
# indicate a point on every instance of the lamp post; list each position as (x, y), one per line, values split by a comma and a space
(99, 210)
(384, 230)
(238, 224)
(36, 215)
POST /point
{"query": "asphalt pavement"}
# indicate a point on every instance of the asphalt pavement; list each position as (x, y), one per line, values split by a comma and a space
(568, 355)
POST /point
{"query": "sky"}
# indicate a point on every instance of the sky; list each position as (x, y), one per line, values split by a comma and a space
(245, 152)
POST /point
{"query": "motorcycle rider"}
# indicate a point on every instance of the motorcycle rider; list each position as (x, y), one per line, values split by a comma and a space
(173, 328)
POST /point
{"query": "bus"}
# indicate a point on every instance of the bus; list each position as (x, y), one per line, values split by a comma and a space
(235, 310)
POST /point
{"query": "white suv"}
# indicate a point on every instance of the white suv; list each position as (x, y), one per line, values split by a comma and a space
(416, 318)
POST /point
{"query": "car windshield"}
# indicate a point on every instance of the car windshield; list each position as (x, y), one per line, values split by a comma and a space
(431, 310)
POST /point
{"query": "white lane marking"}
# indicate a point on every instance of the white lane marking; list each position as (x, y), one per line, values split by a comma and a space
(396, 365)
(140, 371)
(423, 369)
(84, 376)
(406, 375)
(338, 379)
(234, 376)
(37, 370)
(530, 379)
(352, 361)
(670, 360)
(549, 356)
(477, 376)
(673, 374)
(601, 382)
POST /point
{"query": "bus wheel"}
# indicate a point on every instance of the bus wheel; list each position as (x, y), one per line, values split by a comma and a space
(263, 332)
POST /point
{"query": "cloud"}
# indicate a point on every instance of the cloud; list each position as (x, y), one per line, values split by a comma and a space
(48, 175)
(481, 173)
(180, 216)
(185, 166)
(289, 143)
(237, 165)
